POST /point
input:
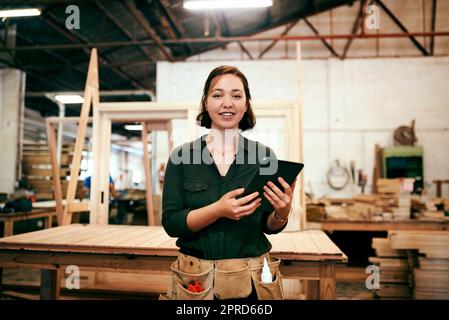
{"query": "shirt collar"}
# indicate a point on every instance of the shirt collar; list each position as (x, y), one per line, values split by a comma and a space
(200, 143)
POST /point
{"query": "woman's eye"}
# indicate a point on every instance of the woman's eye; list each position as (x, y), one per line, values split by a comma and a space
(216, 96)
(237, 97)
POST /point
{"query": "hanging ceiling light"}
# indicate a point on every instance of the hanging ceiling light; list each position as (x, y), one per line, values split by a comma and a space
(69, 98)
(226, 4)
(134, 127)
(19, 13)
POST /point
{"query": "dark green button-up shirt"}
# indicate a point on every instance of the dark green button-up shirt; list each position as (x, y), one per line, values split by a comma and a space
(192, 181)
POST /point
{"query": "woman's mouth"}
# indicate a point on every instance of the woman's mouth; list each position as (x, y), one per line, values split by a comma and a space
(227, 115)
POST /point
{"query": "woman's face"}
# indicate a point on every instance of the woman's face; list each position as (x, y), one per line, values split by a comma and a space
(226, 103)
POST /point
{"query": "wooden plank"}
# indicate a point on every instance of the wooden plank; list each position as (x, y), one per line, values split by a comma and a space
(306, 270)
(383, 248)
(389, 262)
(93, 261)
(281, 243)
(303, 242)
(78, 207)
(434, 264)
(431, 295)
(393, 290)
(49, 239)
(147, 166)
(8, 228)
(128, 240)
(155, 242)
(303, 217)
(431, 279)
(121, 237)
(169, 243)
(323, 243)
(145, 238)
(28, 237)
(84, 236)
(90, 92)
(66, 119)
(134, 282)
(57, 189)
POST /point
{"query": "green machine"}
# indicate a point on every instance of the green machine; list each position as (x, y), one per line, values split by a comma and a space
(404, 162)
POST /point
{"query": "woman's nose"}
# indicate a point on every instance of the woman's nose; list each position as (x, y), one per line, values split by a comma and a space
(227, 101)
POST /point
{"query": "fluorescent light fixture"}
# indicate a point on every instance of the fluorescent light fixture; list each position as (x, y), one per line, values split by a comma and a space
(133, 127)
(225, 4)
(69, 98)
(19, 13)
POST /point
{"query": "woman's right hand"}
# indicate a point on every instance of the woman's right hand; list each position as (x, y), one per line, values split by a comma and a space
(230, 207)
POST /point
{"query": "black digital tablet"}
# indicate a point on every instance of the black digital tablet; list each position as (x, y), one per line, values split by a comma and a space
(286, 169)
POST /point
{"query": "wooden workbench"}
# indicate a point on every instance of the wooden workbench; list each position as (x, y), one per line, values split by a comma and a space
(310, 255)
(9, 219)
(367, 225)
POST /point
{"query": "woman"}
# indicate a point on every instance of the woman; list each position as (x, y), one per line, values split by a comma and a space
(221, 235)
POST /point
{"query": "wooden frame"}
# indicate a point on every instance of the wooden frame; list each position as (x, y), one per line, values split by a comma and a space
(51, 139)
(154, 116)
(152, 125)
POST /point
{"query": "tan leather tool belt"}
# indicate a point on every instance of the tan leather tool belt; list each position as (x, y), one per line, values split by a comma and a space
(224, 279)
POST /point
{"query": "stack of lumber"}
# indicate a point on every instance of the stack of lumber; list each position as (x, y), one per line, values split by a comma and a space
(315, 211)
(431, 277)
(394, 270)
(36, 169)
(404, 203)
(360, 207)
(389, 185)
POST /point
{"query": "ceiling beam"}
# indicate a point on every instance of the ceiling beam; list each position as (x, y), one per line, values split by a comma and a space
(58, 57)
(271, 45)
(355, 28)
(228, 40)
(140, 18)
(76, 38)
(120, 26)
(177, 27)
(402, 27)
(326, 44)
(245, 50)
(433, 22)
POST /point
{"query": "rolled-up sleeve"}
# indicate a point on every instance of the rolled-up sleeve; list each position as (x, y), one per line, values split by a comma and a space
(174, 212)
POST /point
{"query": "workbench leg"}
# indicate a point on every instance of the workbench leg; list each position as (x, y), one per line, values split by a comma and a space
(47, 222)
(1, 282)
(9, 228)
(49, 285)
(327, 281)
(312, 289)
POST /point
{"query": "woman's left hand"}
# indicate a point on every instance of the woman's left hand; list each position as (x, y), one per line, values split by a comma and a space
(280, 200)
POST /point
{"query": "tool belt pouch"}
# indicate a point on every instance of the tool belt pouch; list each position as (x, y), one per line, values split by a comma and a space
(232, 279)
(186, 272)
(268, 291)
